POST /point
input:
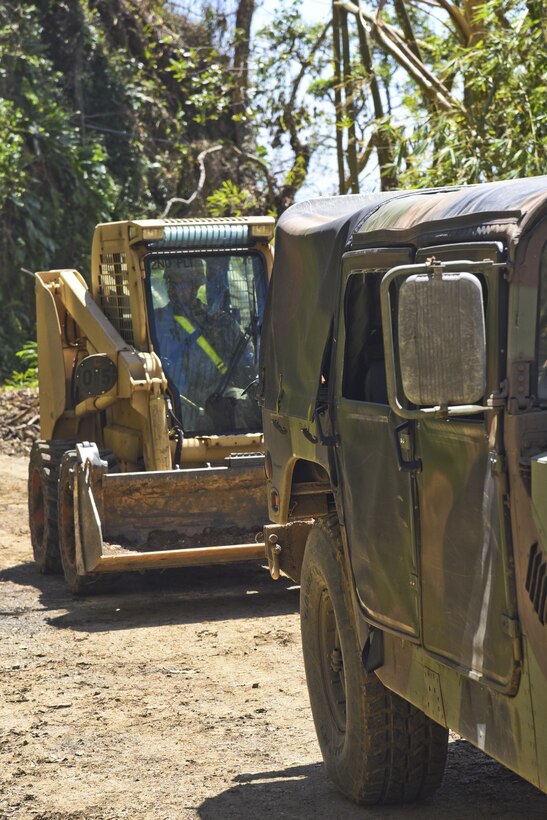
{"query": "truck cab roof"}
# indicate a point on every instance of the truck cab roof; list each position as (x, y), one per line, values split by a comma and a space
(312, 236)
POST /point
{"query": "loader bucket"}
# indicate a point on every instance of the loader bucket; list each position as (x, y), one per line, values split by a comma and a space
(176, 518)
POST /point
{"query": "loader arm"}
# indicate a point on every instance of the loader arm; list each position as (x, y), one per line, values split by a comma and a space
(63, 297)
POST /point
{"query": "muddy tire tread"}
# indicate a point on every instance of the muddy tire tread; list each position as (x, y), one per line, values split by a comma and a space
(91, 583)
(46, 457)
(397, 754)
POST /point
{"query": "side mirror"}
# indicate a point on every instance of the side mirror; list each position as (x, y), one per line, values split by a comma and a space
(439, 362)
(442, 340)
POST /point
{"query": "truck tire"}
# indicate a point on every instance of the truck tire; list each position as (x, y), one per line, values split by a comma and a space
(91, 583)
(377, 747)
(45, 459)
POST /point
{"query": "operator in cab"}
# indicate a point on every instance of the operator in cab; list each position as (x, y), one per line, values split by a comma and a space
(208, 357)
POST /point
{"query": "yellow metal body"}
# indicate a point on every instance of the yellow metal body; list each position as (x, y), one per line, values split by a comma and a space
(110, 317)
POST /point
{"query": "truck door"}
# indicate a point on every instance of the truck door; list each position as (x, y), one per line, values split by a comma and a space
(465, 574)
(377, 497)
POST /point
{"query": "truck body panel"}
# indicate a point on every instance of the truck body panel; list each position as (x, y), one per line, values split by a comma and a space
(440, 511)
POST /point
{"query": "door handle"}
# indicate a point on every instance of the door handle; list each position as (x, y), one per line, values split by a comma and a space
(328, 441)
(413, 465)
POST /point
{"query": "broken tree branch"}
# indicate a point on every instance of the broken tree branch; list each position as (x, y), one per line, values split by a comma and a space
(391, 42)
(201, 181)
(262, 165)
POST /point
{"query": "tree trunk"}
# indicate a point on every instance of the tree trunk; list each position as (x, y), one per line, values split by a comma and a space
(244, 137)
(349, 107)
(384, 146)
(338, 104)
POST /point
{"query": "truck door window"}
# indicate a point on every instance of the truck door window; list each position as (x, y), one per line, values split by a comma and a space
(364, 364)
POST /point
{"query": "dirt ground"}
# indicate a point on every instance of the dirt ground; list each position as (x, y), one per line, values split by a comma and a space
(182, 695)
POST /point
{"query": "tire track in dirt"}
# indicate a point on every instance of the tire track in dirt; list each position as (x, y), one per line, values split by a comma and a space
(181, 695)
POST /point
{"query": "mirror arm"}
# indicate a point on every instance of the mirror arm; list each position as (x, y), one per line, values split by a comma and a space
(441, 412)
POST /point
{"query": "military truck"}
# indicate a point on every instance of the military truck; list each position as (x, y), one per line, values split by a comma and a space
(151, 447)
(404, 392)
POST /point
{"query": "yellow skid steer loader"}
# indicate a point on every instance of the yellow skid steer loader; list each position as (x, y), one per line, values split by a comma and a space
(152, 451)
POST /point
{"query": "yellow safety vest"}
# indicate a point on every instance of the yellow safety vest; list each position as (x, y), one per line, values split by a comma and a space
(207, 348)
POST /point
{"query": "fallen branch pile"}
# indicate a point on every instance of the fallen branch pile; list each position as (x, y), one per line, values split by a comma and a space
(19, 421)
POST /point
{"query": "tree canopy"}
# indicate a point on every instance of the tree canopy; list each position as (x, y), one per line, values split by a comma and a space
(412, 93)
(108, 109)
(112, 109)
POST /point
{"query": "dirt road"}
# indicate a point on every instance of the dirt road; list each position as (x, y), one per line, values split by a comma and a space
(180, 696)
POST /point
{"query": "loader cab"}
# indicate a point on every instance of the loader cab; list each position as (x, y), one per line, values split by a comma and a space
(205, 312)
(182, 297)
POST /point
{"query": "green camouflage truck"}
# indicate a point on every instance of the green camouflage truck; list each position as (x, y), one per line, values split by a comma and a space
(404, 393)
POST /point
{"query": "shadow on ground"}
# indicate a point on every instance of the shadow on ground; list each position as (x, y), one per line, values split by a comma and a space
(474, 785)
(193, 595)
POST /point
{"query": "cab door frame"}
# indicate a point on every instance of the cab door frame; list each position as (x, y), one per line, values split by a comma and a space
(381, 542)
(467, 591)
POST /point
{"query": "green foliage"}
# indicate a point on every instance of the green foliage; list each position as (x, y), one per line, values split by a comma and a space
(500, 130)
(291, 100)
(229, 200)
(211, 96)
(52, 186)
(297, 174)
(458, 95)
(28, 377)
(106, 104)
(103, 106)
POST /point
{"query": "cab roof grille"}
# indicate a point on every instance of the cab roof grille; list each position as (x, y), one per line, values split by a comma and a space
(203, 235)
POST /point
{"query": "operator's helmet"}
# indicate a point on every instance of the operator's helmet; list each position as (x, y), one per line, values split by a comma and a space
(185, 279)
